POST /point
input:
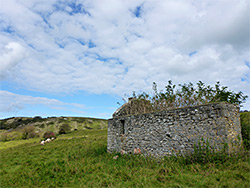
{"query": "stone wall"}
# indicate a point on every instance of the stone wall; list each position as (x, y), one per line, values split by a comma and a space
(176, 131)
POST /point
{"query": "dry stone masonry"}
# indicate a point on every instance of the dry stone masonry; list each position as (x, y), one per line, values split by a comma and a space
(175, 131)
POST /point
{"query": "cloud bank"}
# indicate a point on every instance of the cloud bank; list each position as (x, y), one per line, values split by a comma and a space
(12, 103)
(116, 46)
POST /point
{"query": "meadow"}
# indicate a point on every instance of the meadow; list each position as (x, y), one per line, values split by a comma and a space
(80, 159)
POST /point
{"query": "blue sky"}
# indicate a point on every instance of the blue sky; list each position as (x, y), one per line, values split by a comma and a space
(79, 57)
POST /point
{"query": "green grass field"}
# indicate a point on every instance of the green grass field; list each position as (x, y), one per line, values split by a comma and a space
(80, 159)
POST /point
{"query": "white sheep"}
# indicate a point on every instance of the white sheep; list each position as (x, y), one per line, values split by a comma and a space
(48, 140)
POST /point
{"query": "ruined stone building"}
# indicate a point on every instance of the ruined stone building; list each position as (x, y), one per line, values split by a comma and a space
(174, 131)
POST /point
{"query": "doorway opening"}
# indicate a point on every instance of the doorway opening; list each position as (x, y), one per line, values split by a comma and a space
(123, 127)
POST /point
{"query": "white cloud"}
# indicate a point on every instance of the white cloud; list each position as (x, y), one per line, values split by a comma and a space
(11, 55)
(102, 47)
(220, 22)
(11, 102)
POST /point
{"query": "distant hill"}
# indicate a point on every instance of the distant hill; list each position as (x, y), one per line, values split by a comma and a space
(74, 122)
(15, 128)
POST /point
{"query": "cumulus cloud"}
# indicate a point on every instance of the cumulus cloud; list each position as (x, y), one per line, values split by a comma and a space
(11, 55)
(217, 26)
(117, 46)
(11, 102)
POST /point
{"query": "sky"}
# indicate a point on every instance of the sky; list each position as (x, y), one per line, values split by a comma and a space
(79, 57)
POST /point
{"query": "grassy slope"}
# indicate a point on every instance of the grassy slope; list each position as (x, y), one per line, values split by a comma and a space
(41, 125)
(14, 143)
(80, 159)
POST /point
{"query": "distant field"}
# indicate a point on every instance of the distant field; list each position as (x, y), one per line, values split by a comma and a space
(15, 128)
(80, 159)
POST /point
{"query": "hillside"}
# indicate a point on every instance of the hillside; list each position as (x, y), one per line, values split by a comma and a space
(15, 128)
(74, 122)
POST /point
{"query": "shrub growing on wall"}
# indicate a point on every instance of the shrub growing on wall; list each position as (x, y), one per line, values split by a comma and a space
(189, 95)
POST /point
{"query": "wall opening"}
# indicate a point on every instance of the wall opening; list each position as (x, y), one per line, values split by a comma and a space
(122, 126)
